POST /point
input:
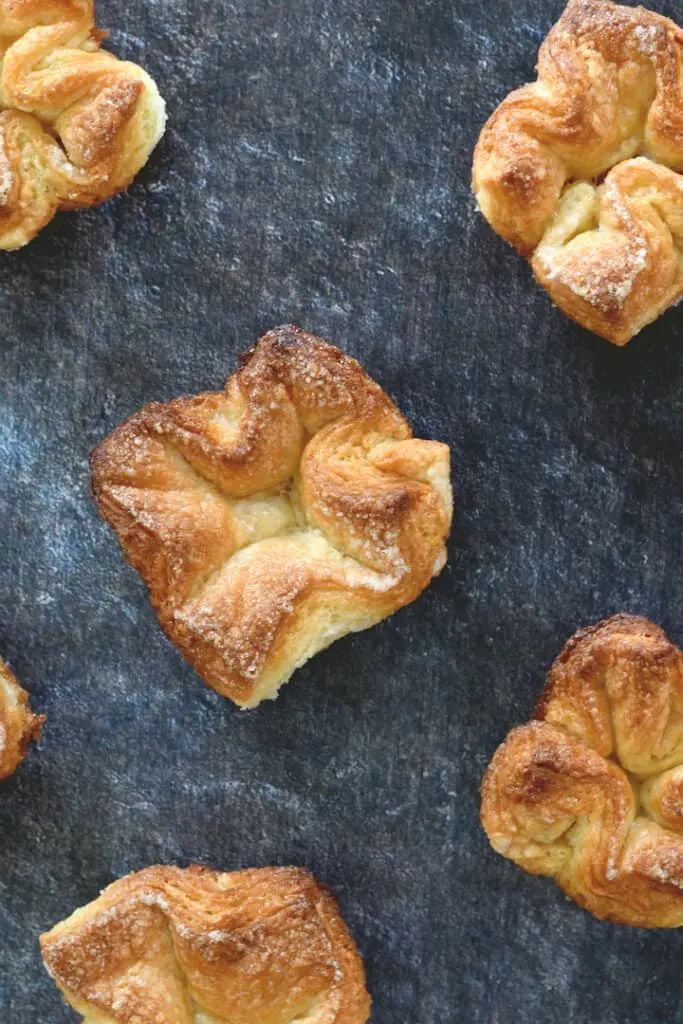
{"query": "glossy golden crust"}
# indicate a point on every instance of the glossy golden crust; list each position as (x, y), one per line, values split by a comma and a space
(77, 124)
(18, 725)
(193, 946)
(581, 170)
(274, 517)
(591, 793)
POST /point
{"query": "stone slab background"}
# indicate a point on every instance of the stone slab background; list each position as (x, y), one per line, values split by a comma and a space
(316, 170)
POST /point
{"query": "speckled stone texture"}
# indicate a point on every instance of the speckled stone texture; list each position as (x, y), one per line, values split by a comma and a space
(316, 170)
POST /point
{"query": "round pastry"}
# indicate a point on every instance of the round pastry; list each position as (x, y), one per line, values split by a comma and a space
(77, 124)
(274, 517)
(591, 793)
(194, 946)
(581, 170)
(18, 725)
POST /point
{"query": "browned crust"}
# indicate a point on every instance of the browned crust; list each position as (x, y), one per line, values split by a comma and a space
(72, 134)
(263, 944)
(606, 105)
(18, 725)
(271, 518)
(591, 793)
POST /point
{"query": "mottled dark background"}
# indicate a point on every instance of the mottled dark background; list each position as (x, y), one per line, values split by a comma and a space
(316, 170)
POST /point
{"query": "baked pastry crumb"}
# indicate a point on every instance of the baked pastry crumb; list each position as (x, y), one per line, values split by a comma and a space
(274, 517)
(76, 123)
(196, 946)
(18, 725)
(591, 792)
(581, 170)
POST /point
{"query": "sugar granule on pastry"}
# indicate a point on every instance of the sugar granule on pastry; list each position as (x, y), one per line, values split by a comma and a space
(591, 793)
(274, 517)
(194, 946)
(76, 123)
(581, 170)
(18, 725)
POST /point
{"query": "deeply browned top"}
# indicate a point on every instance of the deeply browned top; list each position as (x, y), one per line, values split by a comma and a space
(18, 725)
(273, 517)
(172, 946)
(581, 170)
(76, 123)
(592, 791)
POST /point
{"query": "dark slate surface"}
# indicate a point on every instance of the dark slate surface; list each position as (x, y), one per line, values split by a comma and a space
(316, 170)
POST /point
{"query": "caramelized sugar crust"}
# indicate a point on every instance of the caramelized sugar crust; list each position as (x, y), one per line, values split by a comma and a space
(274, 517)
(591, 793)
(76, 123)
(194, 946)
(18, 725)
(581, 170)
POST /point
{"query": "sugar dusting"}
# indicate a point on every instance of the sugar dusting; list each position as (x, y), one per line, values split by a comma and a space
(603, 286)
(648, 39)
(601, 276)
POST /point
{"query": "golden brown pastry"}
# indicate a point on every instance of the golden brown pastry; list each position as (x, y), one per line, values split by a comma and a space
(591, 793)
(193, 946)
(76, 123)
(274, 517)
(581, 170)
(18, 725)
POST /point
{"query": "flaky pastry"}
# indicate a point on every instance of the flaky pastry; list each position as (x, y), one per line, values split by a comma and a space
(274, 517)
(591, 793)
(76, 123)
(194, 946)
(581, 169)
(18, 724)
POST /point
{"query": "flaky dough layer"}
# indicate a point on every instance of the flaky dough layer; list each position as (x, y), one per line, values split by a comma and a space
(194, 946)
(591, 793)
(581, 170)
(76, 123)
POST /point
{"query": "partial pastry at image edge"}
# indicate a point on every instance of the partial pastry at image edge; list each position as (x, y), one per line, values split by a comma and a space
(18, 725)
(580, 170)
(590, 793)
(190, 944)
(77, 124)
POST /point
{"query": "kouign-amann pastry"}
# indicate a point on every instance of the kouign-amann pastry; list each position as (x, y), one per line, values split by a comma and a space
(591, 793)
(274, 517)
(77, 124)
(194, 946)
(18, 725)
(581, 170)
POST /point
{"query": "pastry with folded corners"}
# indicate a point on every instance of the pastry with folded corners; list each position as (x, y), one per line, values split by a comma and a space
(591, 793)
(581, 170)
(18, 725)
(274, 517)
(76, 123)
(194, 946)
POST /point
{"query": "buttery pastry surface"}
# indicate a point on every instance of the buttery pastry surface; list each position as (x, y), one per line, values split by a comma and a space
(581, 170)
(278, 515)
(591, 793)
(194, 946)
(76, 123)
(18, 725)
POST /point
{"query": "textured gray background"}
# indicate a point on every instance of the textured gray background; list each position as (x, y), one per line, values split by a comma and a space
(316, 170)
